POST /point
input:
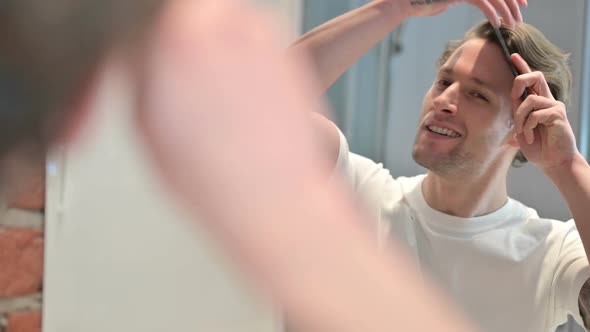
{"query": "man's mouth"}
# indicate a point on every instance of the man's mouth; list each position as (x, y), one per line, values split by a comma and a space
(443, 131)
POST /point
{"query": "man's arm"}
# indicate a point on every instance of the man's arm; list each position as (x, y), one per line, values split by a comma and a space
(337, 44)
(573, 181)
(584, 304)
(546, 138)
(298, 236)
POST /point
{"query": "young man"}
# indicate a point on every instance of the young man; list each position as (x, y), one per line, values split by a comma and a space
(508, 268)
(218, 102)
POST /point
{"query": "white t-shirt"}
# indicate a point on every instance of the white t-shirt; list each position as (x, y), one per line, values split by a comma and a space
(509, 270)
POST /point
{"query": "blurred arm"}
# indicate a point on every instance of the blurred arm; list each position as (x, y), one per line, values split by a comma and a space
(225, 119)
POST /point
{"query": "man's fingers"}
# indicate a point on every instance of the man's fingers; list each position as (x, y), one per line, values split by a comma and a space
(535, 82)
(543, 117)
(521, 65)
(494, 10)
(504, 11)
(515, 10)
(530, 104)
(488, 10)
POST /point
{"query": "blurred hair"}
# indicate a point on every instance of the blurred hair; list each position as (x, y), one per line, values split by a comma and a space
(49, 50)
(540, 54)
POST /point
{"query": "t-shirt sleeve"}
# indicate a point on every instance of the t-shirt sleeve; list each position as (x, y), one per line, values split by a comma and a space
(370, 181)
(361, 173)
(571, 274)
(343, 167)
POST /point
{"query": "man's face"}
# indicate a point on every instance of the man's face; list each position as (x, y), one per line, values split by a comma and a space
(466, 119)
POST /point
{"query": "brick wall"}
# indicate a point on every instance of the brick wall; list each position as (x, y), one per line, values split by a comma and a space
(21, 257)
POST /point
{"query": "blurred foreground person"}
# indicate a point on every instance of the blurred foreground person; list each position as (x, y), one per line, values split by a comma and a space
(224, 114)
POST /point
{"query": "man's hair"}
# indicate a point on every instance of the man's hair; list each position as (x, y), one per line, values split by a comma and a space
(540, 54)
(48, 51)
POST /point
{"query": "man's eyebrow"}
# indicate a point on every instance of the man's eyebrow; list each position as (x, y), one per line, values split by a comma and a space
(449, 71)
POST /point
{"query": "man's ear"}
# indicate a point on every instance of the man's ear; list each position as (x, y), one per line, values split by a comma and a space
(512, 139)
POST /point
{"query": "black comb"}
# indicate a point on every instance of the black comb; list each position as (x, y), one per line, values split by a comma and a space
(506, 52)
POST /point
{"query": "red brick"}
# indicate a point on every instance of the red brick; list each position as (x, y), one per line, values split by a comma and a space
(24, 322)
(29, 194)
(21, 261)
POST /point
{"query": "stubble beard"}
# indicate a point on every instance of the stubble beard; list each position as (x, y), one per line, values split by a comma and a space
(453, 163)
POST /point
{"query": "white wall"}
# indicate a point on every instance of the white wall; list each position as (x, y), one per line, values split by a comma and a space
(120, 256)
(413, 70)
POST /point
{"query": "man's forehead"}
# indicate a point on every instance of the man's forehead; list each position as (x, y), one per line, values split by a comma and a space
(477, 79)
(481, 61)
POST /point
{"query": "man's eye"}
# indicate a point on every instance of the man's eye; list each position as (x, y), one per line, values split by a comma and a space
(479, 96)
(443, 83)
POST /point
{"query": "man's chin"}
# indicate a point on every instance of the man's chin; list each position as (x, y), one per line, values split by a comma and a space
(422, 162)
(432, 161)
(421, 157)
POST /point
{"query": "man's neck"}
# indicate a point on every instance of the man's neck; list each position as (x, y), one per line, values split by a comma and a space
(467, 197)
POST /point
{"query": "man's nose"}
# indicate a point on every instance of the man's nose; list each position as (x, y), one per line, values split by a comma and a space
(447, 101)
